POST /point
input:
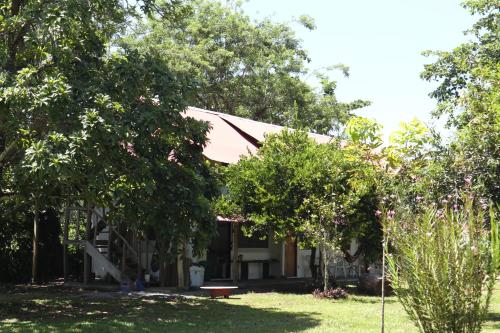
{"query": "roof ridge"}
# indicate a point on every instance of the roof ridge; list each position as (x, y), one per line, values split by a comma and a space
(222, 115)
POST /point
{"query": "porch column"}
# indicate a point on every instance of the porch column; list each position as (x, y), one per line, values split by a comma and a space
(234, 265)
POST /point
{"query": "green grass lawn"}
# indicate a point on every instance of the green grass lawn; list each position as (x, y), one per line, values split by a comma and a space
(49, 310)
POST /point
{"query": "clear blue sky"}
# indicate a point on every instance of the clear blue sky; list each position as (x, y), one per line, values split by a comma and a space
(381, 41)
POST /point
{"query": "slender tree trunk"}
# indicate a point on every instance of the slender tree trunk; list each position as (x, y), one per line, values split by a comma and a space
(36, 226)
(383, 283)
(180, 267)
(65, 243)
(234, 266)
(162, 260)
(312, 266)
(325, 269)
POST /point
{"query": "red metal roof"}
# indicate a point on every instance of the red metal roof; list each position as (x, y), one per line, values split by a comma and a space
(226, 139)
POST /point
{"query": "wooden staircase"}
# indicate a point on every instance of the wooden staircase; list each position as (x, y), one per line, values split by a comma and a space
(111, 253)
(102, 261)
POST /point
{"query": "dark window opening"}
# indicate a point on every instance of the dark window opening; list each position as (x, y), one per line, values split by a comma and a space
(256, 241)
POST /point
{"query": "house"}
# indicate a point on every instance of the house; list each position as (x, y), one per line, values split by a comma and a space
(231, 255)
(258, 257)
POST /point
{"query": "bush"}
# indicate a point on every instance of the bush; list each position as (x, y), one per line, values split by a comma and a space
(337, 293)
(442, 264)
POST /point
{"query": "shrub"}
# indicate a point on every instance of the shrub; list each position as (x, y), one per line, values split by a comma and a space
(443, 264)
(337, 293)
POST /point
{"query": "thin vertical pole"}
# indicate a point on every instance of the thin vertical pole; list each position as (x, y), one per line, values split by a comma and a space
(383, 282)
(88, 237)
(139, 256)
(65, 243)
(147, 254)
(235, 252)
(110, 242)
(180, 267)
(34, 267)
(77, 225)
(96, 224)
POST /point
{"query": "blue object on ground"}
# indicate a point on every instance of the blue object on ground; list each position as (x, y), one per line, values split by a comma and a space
(139, 286)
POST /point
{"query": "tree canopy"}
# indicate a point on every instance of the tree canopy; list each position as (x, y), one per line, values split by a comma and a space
(468, 94)
(254, 69)
(82, 121)
(321, 193)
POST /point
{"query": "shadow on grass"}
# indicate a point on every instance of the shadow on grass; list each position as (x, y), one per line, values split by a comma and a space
(46, 313)
(372, 299)
(493, 321)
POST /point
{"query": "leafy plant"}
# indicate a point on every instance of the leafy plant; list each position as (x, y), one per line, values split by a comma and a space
(443, 264)
(337, 293)
(323, 194)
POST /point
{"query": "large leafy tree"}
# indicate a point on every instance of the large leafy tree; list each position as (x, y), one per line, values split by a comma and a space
(82, 121)
(254, 69)
(321, 193)
(468, 94)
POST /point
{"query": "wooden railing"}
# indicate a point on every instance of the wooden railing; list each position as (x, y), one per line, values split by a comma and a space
(128, 251)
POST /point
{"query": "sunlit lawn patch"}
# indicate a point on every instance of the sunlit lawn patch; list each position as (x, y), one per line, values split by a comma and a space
(39, 311)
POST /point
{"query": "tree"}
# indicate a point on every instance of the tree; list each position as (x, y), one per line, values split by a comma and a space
(418, 168)
(81, 121)
(295, 187)
(253, 69)
(468, 93)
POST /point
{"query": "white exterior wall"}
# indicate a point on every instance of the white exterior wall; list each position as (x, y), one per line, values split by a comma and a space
(303, 258)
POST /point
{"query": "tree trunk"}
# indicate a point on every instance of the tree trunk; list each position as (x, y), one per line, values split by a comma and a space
(36, 226)
(312, 262)
(234, 266)
(325, 269)
(180, 267)
(162, 260)
(65, 243)
(383, 284)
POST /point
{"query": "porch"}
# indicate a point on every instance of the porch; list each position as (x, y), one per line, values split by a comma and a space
(234, 257)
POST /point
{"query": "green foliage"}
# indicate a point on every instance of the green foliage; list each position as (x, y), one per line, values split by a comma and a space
(364, 132)
(15, 237)
(419, 168)
(468, 93)
(443, 264)
(321, 193)
(253, 69)
(307, 21)
(408, 144)
(82, 121)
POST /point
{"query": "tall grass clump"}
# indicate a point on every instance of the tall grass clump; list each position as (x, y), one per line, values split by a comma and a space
(443, 263)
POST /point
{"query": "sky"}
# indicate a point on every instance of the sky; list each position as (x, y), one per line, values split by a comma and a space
(381, 41)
